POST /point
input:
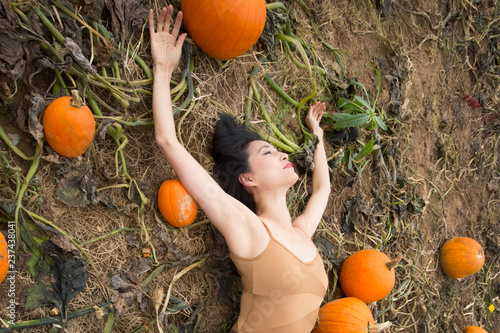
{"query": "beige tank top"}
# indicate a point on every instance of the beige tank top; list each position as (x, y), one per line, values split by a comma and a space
(281, 293)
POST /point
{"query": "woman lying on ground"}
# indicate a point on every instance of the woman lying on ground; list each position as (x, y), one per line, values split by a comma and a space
(283, 277)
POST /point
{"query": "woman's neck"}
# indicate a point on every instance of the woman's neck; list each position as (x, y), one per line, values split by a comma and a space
(273, 208)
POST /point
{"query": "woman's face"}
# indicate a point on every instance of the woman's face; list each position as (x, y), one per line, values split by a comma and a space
(268, 166)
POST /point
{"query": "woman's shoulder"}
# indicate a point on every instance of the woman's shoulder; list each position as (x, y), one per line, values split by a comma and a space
(247, 237)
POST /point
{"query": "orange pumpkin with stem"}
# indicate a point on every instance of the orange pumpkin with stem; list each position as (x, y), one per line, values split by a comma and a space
(224, 29)
(460, 257)
(347, 315)
(176, 205)
(4, 258)
(69, 126)
(368, 275)
(474, 329)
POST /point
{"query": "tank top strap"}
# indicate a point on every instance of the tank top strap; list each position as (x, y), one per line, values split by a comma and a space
(267, 228)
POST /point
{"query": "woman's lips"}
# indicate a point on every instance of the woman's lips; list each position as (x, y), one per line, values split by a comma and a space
(288, 165)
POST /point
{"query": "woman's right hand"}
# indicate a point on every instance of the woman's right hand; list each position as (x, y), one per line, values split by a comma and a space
(314, 117)
(166, 47)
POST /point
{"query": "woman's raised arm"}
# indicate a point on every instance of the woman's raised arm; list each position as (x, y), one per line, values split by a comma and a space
(225, 212)
(316, 205)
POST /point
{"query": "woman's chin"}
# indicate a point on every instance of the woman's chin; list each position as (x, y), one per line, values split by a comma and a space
(294, 179)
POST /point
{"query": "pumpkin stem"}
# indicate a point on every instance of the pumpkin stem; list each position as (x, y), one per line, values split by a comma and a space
(75, 99)
(392, 263)
(375, 328)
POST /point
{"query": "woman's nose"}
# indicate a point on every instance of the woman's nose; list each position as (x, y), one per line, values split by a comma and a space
(284, 156)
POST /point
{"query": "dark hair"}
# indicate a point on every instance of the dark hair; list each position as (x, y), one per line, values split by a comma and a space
(229, 145)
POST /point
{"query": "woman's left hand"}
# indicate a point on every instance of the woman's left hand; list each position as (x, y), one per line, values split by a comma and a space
(166, 47)
(314, 117)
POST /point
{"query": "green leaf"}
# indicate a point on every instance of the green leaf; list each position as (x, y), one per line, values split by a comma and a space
(35, 297)
(379, 84)
(338, 116)
(350, 106)
(367, 149)
(363, 102)
(380, 123)
(362, 87)
(339, 159)
(32, 237)
(356, 120)
(360, 167)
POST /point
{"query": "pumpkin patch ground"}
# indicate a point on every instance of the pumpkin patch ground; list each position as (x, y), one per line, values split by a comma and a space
(425, 171)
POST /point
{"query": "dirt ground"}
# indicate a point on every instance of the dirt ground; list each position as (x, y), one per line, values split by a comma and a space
(441, 155)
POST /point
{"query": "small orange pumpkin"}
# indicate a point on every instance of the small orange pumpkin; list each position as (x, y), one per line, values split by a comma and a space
(4, 258)
(224, 29)
(146, 252)
(474, 329)
(460, 257)
(347, 315)
(69, 126)
(368, 275)
(176, 205)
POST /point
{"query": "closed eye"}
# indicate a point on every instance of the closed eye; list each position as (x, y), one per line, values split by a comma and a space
(269, 149)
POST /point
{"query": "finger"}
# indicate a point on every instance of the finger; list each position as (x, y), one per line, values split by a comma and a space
(168, 17)
(151, 19)
(177, 25)
(161, 18)
(180, 41)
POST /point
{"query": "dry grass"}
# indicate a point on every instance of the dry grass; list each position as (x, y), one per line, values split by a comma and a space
(435, 151)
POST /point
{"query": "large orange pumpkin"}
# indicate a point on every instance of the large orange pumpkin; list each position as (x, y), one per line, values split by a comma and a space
(176, 205)
(474, 329)
(69, 126)
(347, 315)
(368, 275)
(224, 29)
(4, 258)
(460, 257)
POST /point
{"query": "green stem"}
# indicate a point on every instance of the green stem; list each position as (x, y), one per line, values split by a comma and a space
(109, 234)
(266, 117)
(22, 190)
(123, 102)
(311, 77)
(16, 150)
(280, 91)
(166, 264)
(71, 239)
(23, 16)
(276, 5)
(180, 92)
(57, 35)
(105, 307)
(78, 19)
(179, 86)
(110, 321)
(61, 81)
(137, 59)
(92, 102)
(271, 139)
(116, 133)
(189, 67)
(142, 64)
(103, 82)
(136, 83)
(96, 99)
(146, 122)
(179, 128)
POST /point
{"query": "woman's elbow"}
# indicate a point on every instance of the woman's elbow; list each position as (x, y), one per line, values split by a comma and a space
(324, 189)
(164, 144)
